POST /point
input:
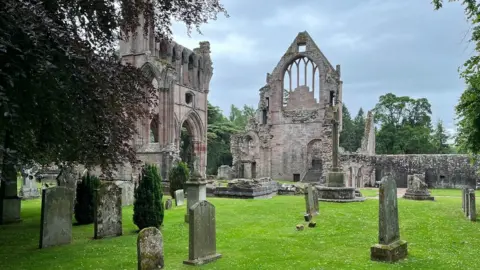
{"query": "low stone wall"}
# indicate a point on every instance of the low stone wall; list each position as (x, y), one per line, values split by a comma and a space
(441, 171)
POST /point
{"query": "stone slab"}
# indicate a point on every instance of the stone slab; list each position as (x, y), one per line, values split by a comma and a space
(202, 234)
(196, 191)
(472, 209)
(179, 197)
(150, 249)
(108, 211)
(311, 201)
(11, 208)
(418, 197)
(56, 216)
(389, 253)
(388, 227)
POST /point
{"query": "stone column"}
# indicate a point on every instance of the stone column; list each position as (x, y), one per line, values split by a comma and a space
(196, 188)
(9, 201)
(335, 177)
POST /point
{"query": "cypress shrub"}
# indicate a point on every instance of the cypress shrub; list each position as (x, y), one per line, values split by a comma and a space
(148, 209)
(85, 199)
(177, 177)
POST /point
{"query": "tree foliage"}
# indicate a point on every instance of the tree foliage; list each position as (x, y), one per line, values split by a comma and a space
(64, 95)
(220, 129)
(178, 175)
(85, 199)
(468, 108)
(148, 210)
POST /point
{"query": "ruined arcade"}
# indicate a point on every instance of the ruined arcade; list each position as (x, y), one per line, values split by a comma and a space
(182, 77)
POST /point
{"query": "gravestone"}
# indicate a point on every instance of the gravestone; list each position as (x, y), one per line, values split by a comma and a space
(464, 194)
(311, 201)
(150, 249)
(202, 247)
(196, 191)
(472, 209)
(179, 197)
(390, 248)
(108, 210)
(29, 188)
(466, 202)
(56, 217)
(168, 204)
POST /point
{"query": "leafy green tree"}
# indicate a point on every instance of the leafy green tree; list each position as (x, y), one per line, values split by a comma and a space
(440, 139)
(404, 125)
(219, 131)
(85, 199)
(359, 129)
(347, 136)
(64, 95)
(240, 117)
(468, 108)
(148, 210)
(178, 175)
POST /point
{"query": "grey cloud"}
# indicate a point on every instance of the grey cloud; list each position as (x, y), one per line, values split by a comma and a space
(404, 47)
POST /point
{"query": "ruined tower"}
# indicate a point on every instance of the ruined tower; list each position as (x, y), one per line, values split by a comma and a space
(182, 78)
(290, 136)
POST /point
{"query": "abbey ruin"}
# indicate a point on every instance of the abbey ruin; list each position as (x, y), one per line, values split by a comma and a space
(290, 136)
(182, 77)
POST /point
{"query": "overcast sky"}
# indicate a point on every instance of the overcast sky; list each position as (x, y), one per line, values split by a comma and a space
(398, 46)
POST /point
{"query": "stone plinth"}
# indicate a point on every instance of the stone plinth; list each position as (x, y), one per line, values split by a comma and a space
(248, 189)
(336, 178)
(389, 253)
(10, 208)
(338, 194)
(417, 189)
(196, 191)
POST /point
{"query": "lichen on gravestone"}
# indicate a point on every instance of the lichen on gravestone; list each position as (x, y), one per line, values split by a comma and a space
(150, 249)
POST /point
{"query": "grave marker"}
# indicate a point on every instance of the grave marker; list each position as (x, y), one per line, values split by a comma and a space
(390, 248)
(202, 247)
(56, 216)
(108, 211)
(150, 249)
(179, 197)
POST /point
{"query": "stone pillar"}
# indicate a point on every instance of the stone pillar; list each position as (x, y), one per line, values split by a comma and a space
(196, 191)
(10, 203)
(472, 209)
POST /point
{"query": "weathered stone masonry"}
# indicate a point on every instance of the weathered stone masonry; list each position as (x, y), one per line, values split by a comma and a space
(290, 136)
(182, 77)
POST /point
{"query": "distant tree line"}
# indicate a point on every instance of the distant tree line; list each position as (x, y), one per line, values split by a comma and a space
(403, 125)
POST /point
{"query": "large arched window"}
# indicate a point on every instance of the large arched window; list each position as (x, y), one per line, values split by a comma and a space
(301, 72)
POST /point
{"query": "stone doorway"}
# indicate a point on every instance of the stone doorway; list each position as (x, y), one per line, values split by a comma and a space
(254, 170)
(241, 173)
(316, 164)
(296, 177)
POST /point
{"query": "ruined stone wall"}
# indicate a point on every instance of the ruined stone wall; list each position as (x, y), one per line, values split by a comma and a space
(441, 171)
(182, 77)
(288, 133)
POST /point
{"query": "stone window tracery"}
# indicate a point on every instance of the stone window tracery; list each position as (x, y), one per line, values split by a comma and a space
(301, 72)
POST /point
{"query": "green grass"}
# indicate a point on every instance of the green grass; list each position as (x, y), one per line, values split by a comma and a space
(260, 234)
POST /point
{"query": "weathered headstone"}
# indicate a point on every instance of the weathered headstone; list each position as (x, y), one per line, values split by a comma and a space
(168, 204)
(202, 247)
(29, 188)
(108, 211)
(150, 249)
(390, 248)
(56, 216)
(466, 202)
(472, 209)
(179, 197)
(311, 201)
(464, 194)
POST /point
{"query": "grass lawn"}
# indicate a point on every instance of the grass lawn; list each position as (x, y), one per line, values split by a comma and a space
(260, 234)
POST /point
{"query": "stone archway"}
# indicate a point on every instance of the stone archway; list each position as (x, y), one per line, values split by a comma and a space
(192, 141)
(314, 155)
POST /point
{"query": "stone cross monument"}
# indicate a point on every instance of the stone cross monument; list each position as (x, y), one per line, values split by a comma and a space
(335, 177)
